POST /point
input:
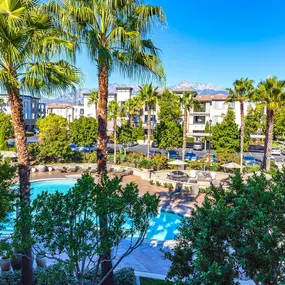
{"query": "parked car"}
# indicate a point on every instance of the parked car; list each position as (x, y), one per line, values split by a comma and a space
(131, 144)
(249, 160)
(154, 152)
(154, 144)
(276, 151)
(174, 154)
(36, 131)
(190, 156)
(87, 148)
(110, 150)
(283, 151)
(197, 146)
(73, 147)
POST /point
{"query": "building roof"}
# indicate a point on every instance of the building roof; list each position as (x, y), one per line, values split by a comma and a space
(208, 98)
(59, 106)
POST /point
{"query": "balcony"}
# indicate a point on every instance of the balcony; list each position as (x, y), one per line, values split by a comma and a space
(199, 120)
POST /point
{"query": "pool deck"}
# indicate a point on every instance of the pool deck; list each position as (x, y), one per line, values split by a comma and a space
(147, 260)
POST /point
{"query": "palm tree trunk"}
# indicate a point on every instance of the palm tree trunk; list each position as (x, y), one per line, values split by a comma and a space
(184, 134)
(131, 119)
(106, 265)
(115, 140)
(241, 134)
(102, 120)
(268, 138)
(24, 177)
(148, 128)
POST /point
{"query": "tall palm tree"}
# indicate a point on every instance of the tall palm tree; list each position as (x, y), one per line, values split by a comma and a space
(132, 107)
(243, 91)
(271, 92)
(187, 101)
(149, 96)
(116, 37)
(93, 99)
(113, 113)
(116, 33)
(30, 44)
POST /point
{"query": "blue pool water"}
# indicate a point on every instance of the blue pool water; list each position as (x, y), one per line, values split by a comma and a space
(161, 228)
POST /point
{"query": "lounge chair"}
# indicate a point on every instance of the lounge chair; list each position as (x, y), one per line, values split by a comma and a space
(178, 189)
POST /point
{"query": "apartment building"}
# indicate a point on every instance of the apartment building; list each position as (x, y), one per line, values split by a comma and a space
(67, 111)
(32, 109)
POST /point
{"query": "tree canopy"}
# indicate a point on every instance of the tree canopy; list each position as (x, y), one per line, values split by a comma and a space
(225, 135)
(54, 137)
(6, 125)
(236, 232)
(84, 131)
(168, 135)
(169, 107)
(70, 223)
(255, 120)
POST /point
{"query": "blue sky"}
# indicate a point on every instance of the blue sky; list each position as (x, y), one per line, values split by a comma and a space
(215, 41)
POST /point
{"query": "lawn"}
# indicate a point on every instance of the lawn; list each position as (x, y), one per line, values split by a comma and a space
(151, 281)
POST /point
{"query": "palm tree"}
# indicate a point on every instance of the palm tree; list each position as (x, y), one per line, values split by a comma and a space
(113, 113)
(116, 36)
(132, 107)
(148, 95)
(243, 91)
(270, 92)
(29, 44)
(93, 99)
(187, 101)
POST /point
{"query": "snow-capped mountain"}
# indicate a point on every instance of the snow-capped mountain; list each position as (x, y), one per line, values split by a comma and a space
(201, 88)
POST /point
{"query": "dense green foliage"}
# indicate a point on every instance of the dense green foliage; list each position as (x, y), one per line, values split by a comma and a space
(125, 134)
(225, 135)
(6, 126)
(54, 138)
(7, 203)
(84, 131)
(169, 107)
(73, 224)
(168, 134)
(139, 131)
(241, 228)
(255, 120)
(279, 124)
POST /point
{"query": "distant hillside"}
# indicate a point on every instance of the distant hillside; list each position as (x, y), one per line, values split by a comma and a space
(201, 88)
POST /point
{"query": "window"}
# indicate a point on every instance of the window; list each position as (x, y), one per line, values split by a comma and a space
(152, 108)
(81, 111)
(33, 105)
(219, 104)
(199, 119)
(33, 116)
(26, 116)
(152, 119)
(201, 108)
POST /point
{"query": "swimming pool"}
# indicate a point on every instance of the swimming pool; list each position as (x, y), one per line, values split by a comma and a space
(161, 228)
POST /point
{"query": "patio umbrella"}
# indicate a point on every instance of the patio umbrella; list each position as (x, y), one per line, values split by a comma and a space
(231, 165)
(177, 162)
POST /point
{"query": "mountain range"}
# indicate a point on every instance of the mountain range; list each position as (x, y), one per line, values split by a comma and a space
(200, 88)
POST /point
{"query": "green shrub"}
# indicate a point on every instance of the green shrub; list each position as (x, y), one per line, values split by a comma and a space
(252, 168)
(170, 186)
(125, 276)
(157, 183)
(151, 182)
(165, 185)
(34, 150)
(90, 157)
(10, 278)
(159, 161)
(145, 163)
